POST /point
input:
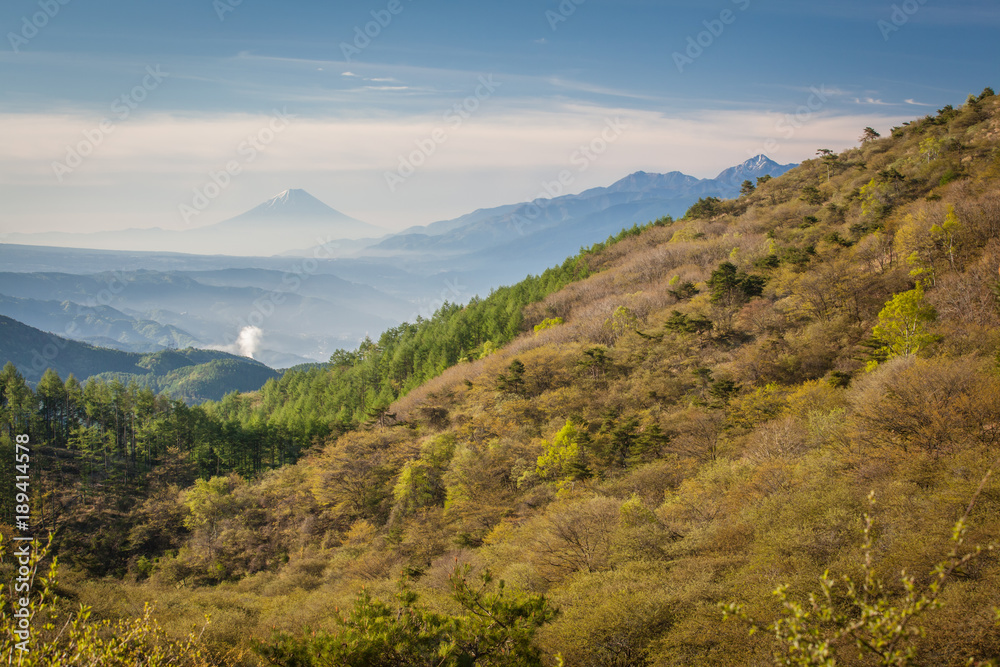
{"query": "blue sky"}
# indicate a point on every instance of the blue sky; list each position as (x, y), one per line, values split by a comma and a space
(119, 114)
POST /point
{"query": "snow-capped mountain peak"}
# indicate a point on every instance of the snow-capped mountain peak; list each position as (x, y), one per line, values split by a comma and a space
(293, 201)
(751, 169)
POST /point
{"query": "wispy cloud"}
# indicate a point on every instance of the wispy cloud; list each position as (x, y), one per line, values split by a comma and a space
(581, 86)
(499, 158)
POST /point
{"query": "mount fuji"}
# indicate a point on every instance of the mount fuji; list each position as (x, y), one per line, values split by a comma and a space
(292, 219)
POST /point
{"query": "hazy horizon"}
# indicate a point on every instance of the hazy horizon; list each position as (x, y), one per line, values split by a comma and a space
(116, 116)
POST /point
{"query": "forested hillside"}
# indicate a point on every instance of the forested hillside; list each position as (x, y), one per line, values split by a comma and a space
(191, 375)
(770, 394)
(108, 438)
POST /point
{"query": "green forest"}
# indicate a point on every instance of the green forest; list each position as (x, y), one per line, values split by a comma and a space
(765, 433)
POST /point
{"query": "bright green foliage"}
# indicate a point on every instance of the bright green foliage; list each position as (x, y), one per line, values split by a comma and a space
(548, 324)
(563, 458)
(876, 199)
(876, 622)
(945, 234)
(622, 321)
(930, 148)
(57, 638)
(417, 486)
(495, 628)
(210, 501)
(421, 482)
(902, 324)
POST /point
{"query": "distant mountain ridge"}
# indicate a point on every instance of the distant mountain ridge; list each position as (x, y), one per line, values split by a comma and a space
(97, 325)
(751, 170)
(308, 316)
(296, 223)
(306, 311)
(547, 230)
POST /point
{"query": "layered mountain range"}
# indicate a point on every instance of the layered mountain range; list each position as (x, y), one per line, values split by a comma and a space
(134, 291)
(295, 223)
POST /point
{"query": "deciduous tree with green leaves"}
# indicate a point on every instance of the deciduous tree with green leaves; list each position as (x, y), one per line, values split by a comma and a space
(902, 324)
(563, 458)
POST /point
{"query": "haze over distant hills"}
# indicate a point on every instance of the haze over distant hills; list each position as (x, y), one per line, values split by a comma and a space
(302, 317)
(293, 218)
(517, 239)
(290, 218)
(296, 223)
(313, 301)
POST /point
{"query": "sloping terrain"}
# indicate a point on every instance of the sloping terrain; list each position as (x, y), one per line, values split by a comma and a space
(705, 418)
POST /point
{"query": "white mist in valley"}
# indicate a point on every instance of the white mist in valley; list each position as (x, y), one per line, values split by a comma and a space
(248, 342)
